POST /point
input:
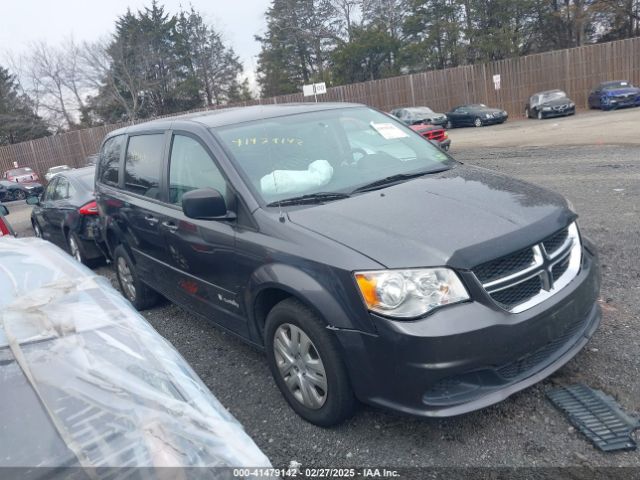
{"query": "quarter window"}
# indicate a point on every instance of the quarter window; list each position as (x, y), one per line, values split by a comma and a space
(51, 190)
(62, 189)
(191, 167)
(110, 161)
(143, 164)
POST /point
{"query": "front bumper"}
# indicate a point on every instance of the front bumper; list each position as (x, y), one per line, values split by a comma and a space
(559, 113)
(614, 103)
(495, 120)
(445, 144)
(468, 356)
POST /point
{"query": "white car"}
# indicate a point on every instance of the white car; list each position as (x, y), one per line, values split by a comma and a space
(53, 171)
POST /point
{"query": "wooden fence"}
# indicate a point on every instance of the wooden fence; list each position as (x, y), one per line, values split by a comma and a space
(575, 70)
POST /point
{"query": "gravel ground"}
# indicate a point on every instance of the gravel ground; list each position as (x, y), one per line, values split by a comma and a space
(603, 182)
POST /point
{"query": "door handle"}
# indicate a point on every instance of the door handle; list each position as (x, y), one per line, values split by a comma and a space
(172, 227)
(151, 220)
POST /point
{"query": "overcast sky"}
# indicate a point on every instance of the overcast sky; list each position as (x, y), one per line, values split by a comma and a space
(26, 21)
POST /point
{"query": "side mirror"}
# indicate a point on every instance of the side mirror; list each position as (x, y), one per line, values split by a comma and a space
(33, 200)
(205, 204)
(4, 211)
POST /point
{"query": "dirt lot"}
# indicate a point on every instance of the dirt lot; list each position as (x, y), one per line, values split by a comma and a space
(602, 179)
(620, 127)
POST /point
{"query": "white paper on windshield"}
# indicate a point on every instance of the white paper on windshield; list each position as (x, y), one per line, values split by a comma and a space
(388, 131)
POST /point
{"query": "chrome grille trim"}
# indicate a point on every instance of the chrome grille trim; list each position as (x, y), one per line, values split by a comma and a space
(542, 267)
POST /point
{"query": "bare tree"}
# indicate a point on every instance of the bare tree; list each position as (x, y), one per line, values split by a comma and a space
(107, 69)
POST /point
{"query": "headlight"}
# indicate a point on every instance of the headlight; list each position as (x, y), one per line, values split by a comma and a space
(571, 104)
(410, 293)
(488, 115)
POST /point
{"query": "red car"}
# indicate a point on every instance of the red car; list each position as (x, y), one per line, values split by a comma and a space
(21, 175)
(5, 228)
(434, 133)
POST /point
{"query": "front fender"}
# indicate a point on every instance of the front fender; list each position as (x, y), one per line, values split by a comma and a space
(332, 302)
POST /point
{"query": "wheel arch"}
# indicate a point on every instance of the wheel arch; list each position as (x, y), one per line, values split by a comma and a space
(273, 283)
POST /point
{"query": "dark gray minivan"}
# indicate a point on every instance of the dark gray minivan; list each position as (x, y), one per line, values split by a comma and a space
(367, 263)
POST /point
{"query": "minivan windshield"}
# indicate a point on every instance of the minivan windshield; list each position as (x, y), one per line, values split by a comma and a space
(332, 151)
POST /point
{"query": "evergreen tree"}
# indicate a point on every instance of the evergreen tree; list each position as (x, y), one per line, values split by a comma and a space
(296, 46)
(18, 122)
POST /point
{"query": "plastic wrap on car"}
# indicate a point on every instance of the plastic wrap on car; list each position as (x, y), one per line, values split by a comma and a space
(87, 381)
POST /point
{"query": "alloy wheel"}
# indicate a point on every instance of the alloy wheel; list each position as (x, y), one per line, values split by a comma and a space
(36, 230)
(477, 122)
(19, 195)
(300, 365)
(126, 279)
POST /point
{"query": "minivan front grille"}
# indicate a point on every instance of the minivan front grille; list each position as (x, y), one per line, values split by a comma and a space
(504, 266)
(555, 241)
(525, 278)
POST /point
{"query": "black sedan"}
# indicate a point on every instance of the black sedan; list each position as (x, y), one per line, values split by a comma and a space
(418, 115)
(18, 191)
(475, 115)
(552, 103)
(66, 214)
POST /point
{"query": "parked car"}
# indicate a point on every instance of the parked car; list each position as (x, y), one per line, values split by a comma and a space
(417, 115)
(18, 191)
(366, 262)
(67, 215)
(475, 115)
(616, 94)
(21, 175)
(552, 103)
(434, 133)
(53, 171)
(5, 226)
(89, 386)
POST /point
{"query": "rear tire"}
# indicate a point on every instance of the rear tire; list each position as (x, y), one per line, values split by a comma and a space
(37, 231)
(19, 195)
(477, 122)
(329, 399)
(139, 294)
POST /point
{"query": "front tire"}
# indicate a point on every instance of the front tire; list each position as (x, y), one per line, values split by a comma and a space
(540, 115)
(139, 294)
(448, 125)
(306, 364)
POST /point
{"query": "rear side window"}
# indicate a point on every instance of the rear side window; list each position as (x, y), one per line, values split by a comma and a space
(143, 164)
(110, 161)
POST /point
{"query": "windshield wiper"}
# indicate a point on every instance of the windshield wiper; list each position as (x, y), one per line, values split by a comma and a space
(318, 197)
(393, 179)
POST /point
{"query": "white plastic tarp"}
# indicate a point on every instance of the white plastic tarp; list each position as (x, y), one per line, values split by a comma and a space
(86, 381)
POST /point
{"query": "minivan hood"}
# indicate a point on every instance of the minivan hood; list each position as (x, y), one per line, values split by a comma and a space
(460, 217)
